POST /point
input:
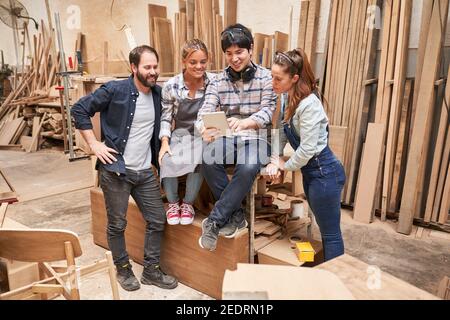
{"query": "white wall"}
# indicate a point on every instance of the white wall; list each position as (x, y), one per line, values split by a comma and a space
(262, 16)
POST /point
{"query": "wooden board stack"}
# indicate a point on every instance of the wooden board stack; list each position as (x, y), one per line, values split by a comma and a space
(196, 19)
(350, 63)
(390, 95)
(201, 19)
(421, 141)
(412, 179)
(34, 85)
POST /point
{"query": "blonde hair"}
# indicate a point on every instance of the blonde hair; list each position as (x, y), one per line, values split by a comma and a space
(192, 46)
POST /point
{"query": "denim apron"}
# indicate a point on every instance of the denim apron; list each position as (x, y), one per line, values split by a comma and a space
(323, 181)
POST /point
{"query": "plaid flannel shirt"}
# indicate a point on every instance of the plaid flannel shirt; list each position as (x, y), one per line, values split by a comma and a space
(256, 100)
(173, 92)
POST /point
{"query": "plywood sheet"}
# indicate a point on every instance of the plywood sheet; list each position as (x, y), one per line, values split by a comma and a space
(370, 283)
(283, 283)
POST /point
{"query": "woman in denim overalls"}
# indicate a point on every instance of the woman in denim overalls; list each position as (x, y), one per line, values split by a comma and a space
(305, 127)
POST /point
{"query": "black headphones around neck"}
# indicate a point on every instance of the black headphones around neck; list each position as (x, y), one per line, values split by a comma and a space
(246, 75)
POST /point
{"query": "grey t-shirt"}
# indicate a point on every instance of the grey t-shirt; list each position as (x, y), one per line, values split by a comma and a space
(138, 153)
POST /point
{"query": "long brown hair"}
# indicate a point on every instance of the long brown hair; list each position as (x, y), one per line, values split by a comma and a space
(295, 62)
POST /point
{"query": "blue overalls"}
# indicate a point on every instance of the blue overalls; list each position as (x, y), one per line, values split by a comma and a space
(323, 181)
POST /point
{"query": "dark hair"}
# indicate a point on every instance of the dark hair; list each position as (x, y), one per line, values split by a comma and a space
(236, 34)
(296, 62)
(136, 53)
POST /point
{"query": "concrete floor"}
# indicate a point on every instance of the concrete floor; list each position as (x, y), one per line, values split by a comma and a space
(420, 260)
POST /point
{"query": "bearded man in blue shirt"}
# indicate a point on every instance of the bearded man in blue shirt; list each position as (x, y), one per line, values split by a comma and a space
(130, 116)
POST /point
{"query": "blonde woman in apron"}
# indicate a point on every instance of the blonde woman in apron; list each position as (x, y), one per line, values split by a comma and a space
(181, 146)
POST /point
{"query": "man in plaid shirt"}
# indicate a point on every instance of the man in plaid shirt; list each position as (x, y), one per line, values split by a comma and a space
(244, 92)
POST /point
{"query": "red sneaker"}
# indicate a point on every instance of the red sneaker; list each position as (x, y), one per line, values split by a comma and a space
(173, 214)
(187, 214)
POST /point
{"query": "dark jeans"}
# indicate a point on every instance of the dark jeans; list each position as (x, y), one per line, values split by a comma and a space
(323, 181)
(144, 189)
(247, 156)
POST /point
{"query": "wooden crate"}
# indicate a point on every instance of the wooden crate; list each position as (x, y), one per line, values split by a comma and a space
(181, 254)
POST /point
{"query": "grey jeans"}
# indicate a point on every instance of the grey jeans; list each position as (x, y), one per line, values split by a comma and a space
(144, 189)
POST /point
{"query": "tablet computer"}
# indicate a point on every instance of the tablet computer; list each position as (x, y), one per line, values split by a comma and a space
(217, 120)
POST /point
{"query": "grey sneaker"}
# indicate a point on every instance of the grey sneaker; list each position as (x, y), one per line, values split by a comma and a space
(235, 224)
(153, 275)
(126, 277)
(210, 233)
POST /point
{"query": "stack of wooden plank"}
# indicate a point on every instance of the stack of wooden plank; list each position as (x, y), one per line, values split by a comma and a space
(265, 47)
(391, 95)
(399, 166)
(196, 19)
(386, 144)
(20, 119)
(10, 131)
(423, 142)
(350, 63)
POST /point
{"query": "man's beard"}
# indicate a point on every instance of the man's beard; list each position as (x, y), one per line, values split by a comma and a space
(146, 82)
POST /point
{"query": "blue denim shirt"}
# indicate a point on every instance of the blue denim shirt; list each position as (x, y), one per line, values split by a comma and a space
(116, 102)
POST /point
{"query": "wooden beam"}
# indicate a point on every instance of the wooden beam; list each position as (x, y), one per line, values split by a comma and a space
(190, 11)
(330, 56)
(311, 31)
(401, 150)
(387, 19)
(3, 208)
(303, 22)
(439, 155)
(362, 103)
(105, 58)
(370, 165)
(397, 103)
(155, 11)
(164, 44)
(281, 42)
(427, 8)
(230, 12)
(258, 47)
(182, 6)
(37, 126)
(441, 181)
(445, 205)
(220, 61)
